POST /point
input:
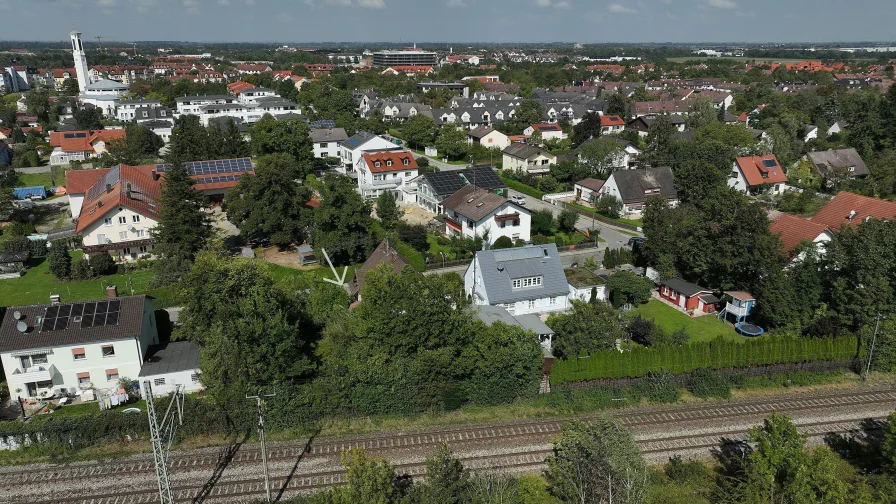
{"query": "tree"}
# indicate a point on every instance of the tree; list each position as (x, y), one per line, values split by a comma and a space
(507, 362)
(414, 235)
(888, 448)
(451, 142)
(542, 222)
(420, 130)
(700, 113)
(271, 136)
(368, 480)
(8, 113)
(617, 105)
(183, 228)
(698, 180)
(342, 222)
(632, 288)
(587, 129)
(600, 155)
(102, 263)
(189, 141)
(230, 141)
(503, 242)
(566, 221)
(587, 328)
(529, 112)
(609, 206)
(387, 210)
(138, 145)
(660, 141)
(37, 102)
(597, 463)
(271, 205)
(89, 118)
(59, 259)
(446, 479)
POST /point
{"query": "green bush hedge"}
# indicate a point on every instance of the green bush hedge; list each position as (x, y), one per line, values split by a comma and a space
(716, 354)
(518, 186)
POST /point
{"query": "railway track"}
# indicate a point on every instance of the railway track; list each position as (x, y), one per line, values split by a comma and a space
(529, 460)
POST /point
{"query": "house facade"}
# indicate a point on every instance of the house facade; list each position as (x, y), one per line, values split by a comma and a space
(756, 174)
(351, 150)
(172, 364)
(588, 189)
(476, 212)
(634, 187)
(488, 137)
(435, 187)
(60, 349)
(69, 146)
(388, 171)
(520, 280)
(326, 141)
(549, 131)
(527, 158)
(688, 296)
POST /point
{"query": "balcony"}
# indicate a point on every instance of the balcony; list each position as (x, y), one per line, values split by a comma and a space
(36, 373)
(740, 311)
(381, 184)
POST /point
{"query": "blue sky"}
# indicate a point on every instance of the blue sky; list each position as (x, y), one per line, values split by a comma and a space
(453, 20)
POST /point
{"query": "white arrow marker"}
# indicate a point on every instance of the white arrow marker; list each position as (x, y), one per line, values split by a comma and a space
(340, 280)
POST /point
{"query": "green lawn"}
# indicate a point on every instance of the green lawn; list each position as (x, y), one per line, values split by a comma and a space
(703, 328)
(54, 177)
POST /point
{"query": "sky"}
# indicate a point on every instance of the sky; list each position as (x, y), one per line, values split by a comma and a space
(458, 21)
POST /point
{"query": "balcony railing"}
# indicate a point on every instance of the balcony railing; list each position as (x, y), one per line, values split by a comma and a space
(38, 373)
(740, 311)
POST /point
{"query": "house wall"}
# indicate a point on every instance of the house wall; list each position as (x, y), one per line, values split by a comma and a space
(537, 305)
(682, 301)
(398, 181)
(189, 379)
(584, 293)
(495, 139)
(91, 235)
(326, 149)
(490, 225)
(74, 204)
(351, 156)
(585, 194)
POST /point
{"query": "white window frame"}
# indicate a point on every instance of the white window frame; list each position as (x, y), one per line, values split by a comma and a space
(111, 353)
(84, 380)
(107, 221)
(122, 219)
(135, 218)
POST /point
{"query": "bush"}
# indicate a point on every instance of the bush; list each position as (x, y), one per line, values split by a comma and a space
(81, 270)
(60, 260)
(680, 337)
(19, 229)
(542, 222)
(422, 161)
(539, 239)
(17, 244)
(684, 471)
(414, 235)
(521, 187)
(567, 219)
(502, 242)
(102, 264)
(646, 332)
(660, 388)
(708, 383)
(38, 248)
(608, 206)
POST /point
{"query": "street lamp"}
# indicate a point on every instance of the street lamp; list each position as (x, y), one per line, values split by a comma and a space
(443, 258)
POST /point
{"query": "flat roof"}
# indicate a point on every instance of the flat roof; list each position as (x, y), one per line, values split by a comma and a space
(171, 358)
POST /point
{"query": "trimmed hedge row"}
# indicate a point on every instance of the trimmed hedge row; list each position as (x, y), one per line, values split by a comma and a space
(518, 186)
(716, 354)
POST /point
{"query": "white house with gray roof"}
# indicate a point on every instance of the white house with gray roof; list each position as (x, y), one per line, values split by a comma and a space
(363, 142)
(326, 141)
(520, 280)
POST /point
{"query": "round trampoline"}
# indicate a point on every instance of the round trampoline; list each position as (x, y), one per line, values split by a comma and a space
(749, 329)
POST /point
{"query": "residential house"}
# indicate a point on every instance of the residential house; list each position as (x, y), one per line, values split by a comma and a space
(754, 174)
(521, 280)
(193, 104)
(527, 158)
(588, 190)
(352, 149)
(127, 109)
(435, 187)
(811, 133)
(528, 322)
(793, 231)
(849, 209)
(388, 171)
(384, 253)
(81, 145)
(211, 178)
(488, 137)
(401, 112)
(476, 212)
(634, 187)
(548, 131)
(642, 124)
(688, 296)
(171, 364)
(326, 141)
(583, 284)
(838, 164)
(60, 349)
(611, 124)
(252, 69)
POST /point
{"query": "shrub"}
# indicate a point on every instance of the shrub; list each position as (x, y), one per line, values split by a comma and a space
(502, 242)
(102, 264)
(660, 388)
(38, 248)
(542, 222)
(414, 235)
(17, 244)
(539, 239)
(60, 260)
(567, 219)
(708, 383)
(644, 331)
(684, 471)
(80, 270)
(608, 206)
(19, 229)
(680, 337)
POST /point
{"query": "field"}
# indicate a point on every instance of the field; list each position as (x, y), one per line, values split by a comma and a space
(703, 328)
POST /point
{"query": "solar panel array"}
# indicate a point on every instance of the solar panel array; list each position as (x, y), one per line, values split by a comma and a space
(323, 123)
(213, 167)
(111, 178)
(446, 182)
(769, 163)
(218, 178)
(92, 314)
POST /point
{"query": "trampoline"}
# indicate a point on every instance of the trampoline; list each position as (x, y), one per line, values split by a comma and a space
(749, 329)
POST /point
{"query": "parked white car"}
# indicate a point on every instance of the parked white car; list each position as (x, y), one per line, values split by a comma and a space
(519, 200)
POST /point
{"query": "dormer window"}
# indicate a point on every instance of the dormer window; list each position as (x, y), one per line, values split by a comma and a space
(388, 162)
(406, 161)
(376, 164)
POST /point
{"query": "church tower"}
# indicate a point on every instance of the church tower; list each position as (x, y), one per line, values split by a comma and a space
(80, 60)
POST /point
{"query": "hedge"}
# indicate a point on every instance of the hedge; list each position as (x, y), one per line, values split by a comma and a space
(716, 354)
(518, 186)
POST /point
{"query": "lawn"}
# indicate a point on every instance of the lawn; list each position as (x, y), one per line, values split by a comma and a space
(703, 328)
(52, 178)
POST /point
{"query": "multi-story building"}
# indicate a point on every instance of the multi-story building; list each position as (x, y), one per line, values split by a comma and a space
(414, 56)
(352, 149)
(475, 212)
(388, 171)
(127, 108)
(326, 141)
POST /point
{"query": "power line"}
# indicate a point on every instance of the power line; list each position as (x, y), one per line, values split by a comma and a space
(259, 401)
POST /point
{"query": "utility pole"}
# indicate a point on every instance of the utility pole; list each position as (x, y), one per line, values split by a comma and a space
(871, 350)
(259, 401)
(163, 431)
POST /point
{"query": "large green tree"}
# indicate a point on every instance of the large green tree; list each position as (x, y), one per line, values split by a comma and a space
(598, 156)
(701, 112)
(660, 141)
(420, 130)
(271, 205)
(587, 129)
(189, 141)
(271, 136)
(587, 328)
(59, 259)
(342, 222)
(139, 146)
(229, 141)
(451, 142)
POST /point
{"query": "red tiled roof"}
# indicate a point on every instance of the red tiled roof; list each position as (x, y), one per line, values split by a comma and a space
(546, 127)
(142, 184)
(611, 120)
(79, 181)
(253, 68)
(397, 159)
(793, 230)
(757, 173)
(836, 213)
(74, 141)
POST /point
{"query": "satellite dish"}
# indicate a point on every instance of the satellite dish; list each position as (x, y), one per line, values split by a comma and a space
(17, 315)
(22, 327)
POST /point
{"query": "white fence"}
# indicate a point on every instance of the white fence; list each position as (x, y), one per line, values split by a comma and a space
(553, 197)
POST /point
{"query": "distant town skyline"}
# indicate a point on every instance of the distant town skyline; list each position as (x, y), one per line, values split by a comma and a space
(453, 21)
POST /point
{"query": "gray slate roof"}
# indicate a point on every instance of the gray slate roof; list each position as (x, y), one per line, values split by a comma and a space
(687, 289)
(521, 151)
(129, 326)
(171, 358)
(633, 183)
(529, 322)
(328, 135)
(384, 253)
(839, 158)
(500, 267)
(476, 203)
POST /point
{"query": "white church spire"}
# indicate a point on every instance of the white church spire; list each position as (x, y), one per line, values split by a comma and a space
(80, 60)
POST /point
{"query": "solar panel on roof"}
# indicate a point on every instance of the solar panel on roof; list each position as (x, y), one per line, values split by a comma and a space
(47, 324)
(769, 163)
(64, 311)
(77, 310)
(112, 318)
(102, 306)
(51, 312)
(87, 321)
(89, 308)
(114, 306)
(61, 324)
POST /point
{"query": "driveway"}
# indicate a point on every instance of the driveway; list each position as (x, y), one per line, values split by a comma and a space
(444, 166)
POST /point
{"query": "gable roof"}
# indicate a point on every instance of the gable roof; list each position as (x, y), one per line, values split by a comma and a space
(79, 181)
(82, 140)
(480, 132)
(591, 183)
(170, 358)
(837, 213)
(634, 184)
(839, 158)
(686, 289)
(397, 159)
(760, 170)
(523, 151)
(446, 183)
(129, 325)
(384, 253)
(112, 191)
(320, 135)
(500, 267)
(544, 127)
(476, 203)
(611, 120)
(792, 230)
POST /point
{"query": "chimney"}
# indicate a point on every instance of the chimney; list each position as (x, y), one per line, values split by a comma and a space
(852, 215)
(55, 299)
(108, 188)
(111, 291)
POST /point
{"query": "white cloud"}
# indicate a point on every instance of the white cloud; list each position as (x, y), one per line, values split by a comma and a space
(722, 4)
(344, 3)
(621, 9)
(107, 3)
(372, 4)
(456, 3)
(557, 4)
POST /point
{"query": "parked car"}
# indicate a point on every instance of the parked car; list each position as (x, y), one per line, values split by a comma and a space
(636, 240)
(519, 200)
